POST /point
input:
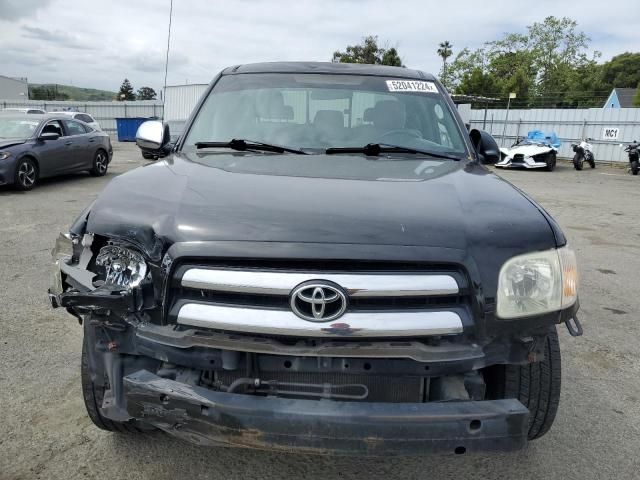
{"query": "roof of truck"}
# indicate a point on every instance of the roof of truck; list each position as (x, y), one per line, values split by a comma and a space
(329, 67)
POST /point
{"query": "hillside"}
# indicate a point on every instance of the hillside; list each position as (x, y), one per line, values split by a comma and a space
(67, 92)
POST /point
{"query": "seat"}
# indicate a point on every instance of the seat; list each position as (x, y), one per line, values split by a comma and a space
(388, 115)
(270, 107)
(329, 124)
(52, 128)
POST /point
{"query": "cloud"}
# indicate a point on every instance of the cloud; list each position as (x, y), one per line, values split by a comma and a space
(129, 37)
(60, 38)
(17, 9)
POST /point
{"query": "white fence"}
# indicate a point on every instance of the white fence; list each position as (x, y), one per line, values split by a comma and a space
(104, 112)
(607, 127)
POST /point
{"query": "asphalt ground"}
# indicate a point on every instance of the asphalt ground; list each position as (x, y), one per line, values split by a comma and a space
(45, 432)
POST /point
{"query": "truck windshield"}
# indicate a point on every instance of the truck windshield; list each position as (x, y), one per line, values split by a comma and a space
(321, 111)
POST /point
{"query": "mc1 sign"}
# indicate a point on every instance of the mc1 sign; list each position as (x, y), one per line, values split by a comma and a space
(609, 133)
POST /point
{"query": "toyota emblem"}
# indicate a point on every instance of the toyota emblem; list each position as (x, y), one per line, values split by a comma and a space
(318, 301)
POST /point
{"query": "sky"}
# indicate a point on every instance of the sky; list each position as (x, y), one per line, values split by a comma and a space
(97, 44)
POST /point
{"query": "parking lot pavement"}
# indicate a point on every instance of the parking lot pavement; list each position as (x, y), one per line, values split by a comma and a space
(45, 433)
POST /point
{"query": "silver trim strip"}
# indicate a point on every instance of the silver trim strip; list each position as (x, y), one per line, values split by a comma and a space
(281, 283)
(351, 324)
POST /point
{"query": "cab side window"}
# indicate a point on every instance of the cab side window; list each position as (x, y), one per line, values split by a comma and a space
(74, 128)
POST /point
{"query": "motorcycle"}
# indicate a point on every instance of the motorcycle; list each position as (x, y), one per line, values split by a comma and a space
(583, 152)
(634, 156)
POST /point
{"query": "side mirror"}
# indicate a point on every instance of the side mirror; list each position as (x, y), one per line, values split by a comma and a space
(48, 136)
(485, 145)
(152, 136)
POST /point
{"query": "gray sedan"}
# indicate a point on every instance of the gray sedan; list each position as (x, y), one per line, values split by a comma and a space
(38, 146)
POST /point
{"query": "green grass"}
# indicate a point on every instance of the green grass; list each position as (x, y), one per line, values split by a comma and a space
(67, 92)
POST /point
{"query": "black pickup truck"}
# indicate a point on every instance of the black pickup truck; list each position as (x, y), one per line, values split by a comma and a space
(321, 264)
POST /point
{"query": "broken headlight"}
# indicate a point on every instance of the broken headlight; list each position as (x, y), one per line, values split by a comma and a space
(537, 283)
(122, 266)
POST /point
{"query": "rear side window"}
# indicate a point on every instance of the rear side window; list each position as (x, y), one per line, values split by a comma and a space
(83, 117)
(74, 128)
(35, 111)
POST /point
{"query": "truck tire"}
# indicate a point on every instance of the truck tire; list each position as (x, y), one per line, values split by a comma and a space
(536, 385)
(93, 395)
(635, 167)
(578, 161)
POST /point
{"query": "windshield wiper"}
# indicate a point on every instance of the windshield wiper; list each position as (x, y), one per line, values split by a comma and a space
(375, 149)
(243, 145)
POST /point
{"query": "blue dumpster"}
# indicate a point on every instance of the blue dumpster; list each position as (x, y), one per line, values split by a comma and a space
(127, 128)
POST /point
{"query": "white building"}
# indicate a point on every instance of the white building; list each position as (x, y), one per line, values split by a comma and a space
(180, 100)
(13, 88)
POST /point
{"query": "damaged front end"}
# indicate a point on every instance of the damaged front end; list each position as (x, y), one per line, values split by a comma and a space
(337, 394)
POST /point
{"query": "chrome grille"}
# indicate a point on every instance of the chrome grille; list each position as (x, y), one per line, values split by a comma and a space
(389, 303)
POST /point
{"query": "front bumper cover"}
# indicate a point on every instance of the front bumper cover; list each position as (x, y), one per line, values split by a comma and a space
(206, 417)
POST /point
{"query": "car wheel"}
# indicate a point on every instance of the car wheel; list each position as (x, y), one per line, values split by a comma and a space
(93, 394)
(536, 385)
(100, 164)
(578, 162)
(551, 161)
(635, 167)
(26, 175)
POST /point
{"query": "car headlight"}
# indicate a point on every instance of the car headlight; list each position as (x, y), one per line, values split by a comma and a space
(122, 266)
(4, 155)
(537, 283)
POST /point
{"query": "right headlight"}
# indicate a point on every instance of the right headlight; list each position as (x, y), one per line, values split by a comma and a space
(537, 283)
(122, 266)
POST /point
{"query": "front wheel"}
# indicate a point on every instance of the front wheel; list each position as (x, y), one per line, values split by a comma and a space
(93, 395)
(26, 175)
(100, 164)
(635, 167)
(578, 161)
(536, 385)
(551, 161)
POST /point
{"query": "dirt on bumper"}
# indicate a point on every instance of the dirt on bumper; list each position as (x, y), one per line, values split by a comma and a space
(207, 417)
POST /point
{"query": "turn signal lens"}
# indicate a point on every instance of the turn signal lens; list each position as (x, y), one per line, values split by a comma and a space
(569, 276)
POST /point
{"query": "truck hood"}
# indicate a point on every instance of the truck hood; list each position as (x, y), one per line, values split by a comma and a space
(317, 199)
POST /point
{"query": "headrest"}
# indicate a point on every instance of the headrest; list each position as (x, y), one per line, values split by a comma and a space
(332, 118)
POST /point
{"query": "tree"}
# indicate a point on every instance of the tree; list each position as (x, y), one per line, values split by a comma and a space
(126, 91)
(636, 97)
(146, 93)
(622, 71)
(549, 65)
(445, 50)
(46, 92)
(368, 52)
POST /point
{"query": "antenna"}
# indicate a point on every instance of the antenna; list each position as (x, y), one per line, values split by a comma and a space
(166, 63)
